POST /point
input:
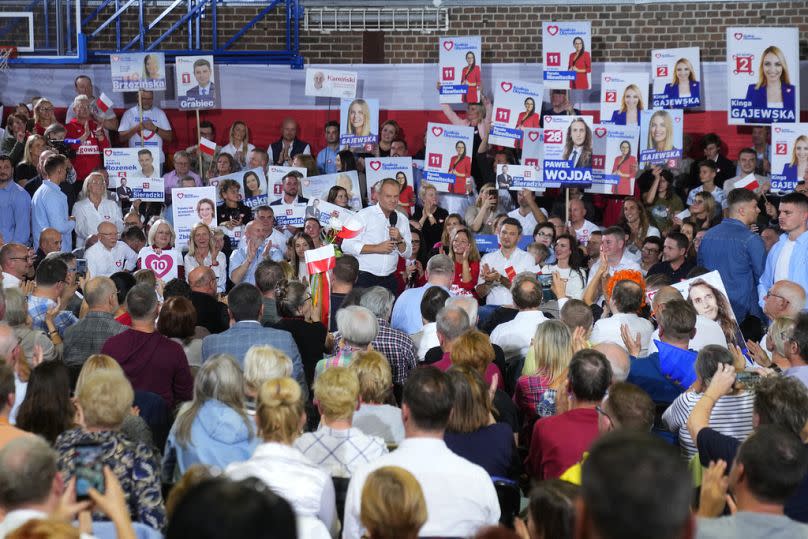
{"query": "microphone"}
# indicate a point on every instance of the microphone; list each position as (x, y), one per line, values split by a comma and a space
(393, 219)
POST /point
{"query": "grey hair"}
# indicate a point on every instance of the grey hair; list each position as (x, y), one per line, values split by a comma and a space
(440, 264)
(27, 470)
(358, 325)
(708, 360)
(379, 301)
(16, 312)
(468, 304)
(262, 363)
(78, 99)
(181, 153)
(452, 322)
(779, 333)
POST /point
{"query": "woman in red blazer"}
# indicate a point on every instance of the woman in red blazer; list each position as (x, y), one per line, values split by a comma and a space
(581, 63)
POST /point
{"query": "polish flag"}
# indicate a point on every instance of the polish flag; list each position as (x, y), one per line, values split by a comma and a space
(351, 229)
(320, 260)
(104, 103)
(207, 146)
(749, 183)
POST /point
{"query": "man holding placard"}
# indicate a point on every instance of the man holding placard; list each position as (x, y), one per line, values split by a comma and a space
(146, 125)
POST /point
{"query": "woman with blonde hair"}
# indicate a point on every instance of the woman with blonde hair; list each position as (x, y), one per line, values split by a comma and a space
(660, 131)
(161, 244)
(393, 504)
(262, 363)
(463, 252)
(239, 146)
(773, 89)
(375, 415)
(684, 82)
(43, 115)
(280, 416)
(214, 429)
(795, 169)
(630, 106)
(359, 118)
(480, 217)
(95, 208)
(202, 251)
(27, 168)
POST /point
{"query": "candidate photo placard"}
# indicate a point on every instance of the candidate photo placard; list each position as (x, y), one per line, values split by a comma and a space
(252, 186)
(121, 163)
(138, 71)
(318, 186)
(763, 75)
(331, 83)
(398, 168)
(147, 189)
(622, 97)
(661, 137)
(518, 177)
(789, 156)
(359, 123)
(567, 60)
(517, 106)
(568, 150)
(196, 83)
(533, 148)
(448, 157)
(676, 76)
(325, 211)
(290, 215)
(189, 206)
(614, 159)
(459, 69)
(275, 176)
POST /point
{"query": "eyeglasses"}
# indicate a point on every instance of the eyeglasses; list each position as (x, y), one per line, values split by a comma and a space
(770, 295)
(26, 258)
(649, 251)
(545, 234)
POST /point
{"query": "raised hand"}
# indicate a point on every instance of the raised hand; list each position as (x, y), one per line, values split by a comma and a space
(714, 485)
(633, 344)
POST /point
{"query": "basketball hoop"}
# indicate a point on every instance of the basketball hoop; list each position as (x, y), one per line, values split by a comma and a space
(6, 52)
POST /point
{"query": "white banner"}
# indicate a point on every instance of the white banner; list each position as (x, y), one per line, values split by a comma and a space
(676, 75)
(517, 105)
(331, 83)
(789, 156)
(566, 52)
(196, 83)
(448, 157)
(189, 206)
(623, 96)
(138, 71)
(459, 69)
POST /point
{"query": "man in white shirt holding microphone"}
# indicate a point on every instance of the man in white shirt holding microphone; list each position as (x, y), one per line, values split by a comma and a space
(385, 236)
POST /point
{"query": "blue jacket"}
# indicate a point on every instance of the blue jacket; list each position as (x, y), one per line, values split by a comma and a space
(219, 436)
(672, 90)
(646, 373)
(797, 266)
(759, 101)
(738, 254)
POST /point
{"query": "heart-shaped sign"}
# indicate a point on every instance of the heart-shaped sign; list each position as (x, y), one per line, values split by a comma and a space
(180, 195)
(448, 45)
(552, 29)
(677, 119)
(548, 119)
(108, 152)
(738, 35)
(506, 86)
(600, 132)
(658, 55)
(437, 131)
(777, 130)
(375, 165)
(607, 79)
(159, 264)
(533, 135)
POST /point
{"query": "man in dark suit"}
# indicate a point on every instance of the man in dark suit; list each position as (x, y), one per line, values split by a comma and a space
(202, 74)
(504, 179)
(210, 312)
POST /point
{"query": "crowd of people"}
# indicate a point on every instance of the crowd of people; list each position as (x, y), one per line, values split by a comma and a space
(603, 358)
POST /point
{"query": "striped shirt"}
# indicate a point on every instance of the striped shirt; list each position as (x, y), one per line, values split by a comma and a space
(731, 416)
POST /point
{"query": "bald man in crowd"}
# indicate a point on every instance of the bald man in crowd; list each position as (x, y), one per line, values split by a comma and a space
(109, 255)
(50, 241)
(210, 312)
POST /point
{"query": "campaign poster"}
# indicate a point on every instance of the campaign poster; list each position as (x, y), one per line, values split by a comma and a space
(121, 163)
(459, 69)
(763, 75)
(789, 156)
(147, 189)
(331, 83)
(290, 215)
(275, 177)
(448, 157)
(359, 123)
(566, 50)
(568, 150)
(676, 76)
(196, 83)
(614, 159)
(325, 211)
(192, 205)
(532, 148)
(517, 105)
(138, 71)
(661, 137)
(379, 168)
(252, 186)
(622, 97)
(518, 177)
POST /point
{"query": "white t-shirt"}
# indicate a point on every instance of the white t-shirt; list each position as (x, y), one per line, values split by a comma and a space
(783, 261)
(103, 262)
(519, 261)
(528, 221)
(164, 264)
(583, 233)
(131, 118)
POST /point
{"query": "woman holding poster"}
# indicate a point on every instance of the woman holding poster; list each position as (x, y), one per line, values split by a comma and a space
(528, 118)
(625, 166)
(359, 118)
(684, 81)
(460, 166)
(581, 63)
(630, 107)
(712, 303)
(660, 132)
(151, 67)
(578, 145)
(205, 210)
(471, 76)
(797, 169)
(773, 89)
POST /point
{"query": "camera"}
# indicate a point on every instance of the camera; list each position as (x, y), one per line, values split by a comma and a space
(62, 148)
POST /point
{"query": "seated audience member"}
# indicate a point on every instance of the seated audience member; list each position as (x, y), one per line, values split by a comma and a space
(450, 324)
(494, 283)
(150, 361)
(473, 349)
(618, 358)
(707, 331)
(178, 322)
(244, 307)
(124, 281)
(71, 299)
(87, 336)
(300, 319)
(550, 511)
(514, 336)
(50, 241)
(336, 446)
(375, 416)
(8, 432)
(651, 254)
(677, 326)
(625, 301)
(47, 303)
(357, 327)
(12, 356)
(675, 263)
(261, 363)
(214, 429)
(767, 471)
(797, 350)
(472, 431)
(577, 314)
(626, 470)
(267, 276)
(133, 236)
(393, 505)
(47, 410)
(108, 254)
(276, 462)
(17, 317)
(210, 312)
(431, 303)
(17, 263)
(617, 258)
(343, 278)
(105, 399)
(732, 413)
(559, 442)
(406, 315)
(460, 496)
(202, 251)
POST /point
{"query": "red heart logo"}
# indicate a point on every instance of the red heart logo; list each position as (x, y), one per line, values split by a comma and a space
(548, 119)
(607, 79)
(375, 165)
(552, 29)
(448, 45)
(777, 130)
(738, 35)
(159, 264)
(677, 119)
(108, 152)
(180, 195)
(437, 131)
(506, 86)
(658, 55)
(600, 132)
(533, 135)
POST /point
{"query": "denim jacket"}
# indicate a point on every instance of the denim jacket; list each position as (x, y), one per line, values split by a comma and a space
(797, 266)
